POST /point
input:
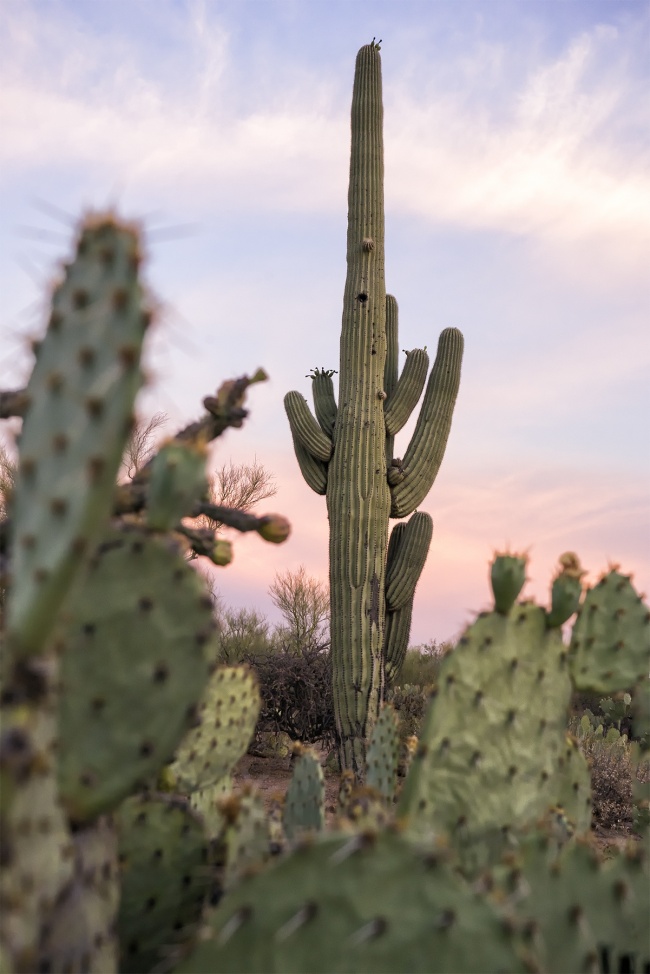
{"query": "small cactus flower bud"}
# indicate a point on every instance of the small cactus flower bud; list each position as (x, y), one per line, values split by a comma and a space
(508, 575)
(566, 590)
(274, 528)
(222, 552)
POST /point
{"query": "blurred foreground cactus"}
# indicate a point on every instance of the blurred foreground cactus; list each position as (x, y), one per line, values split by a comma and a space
(485, 862)
(347, 451)
(109, 639)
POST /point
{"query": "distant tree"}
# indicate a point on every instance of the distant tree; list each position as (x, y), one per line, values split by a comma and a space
(305, 605)
(242, 633)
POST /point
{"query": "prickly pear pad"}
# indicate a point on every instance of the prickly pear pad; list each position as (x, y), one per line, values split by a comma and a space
(228, 713)
(37, 849)
(177, 481)
(610, 644)
(165, 878)
(304, 805)
(246, 837)
(80, 934)
(134, 666)
(383, 754)
(361, 904)
(492, 738)
(574, 903)
(81, 395)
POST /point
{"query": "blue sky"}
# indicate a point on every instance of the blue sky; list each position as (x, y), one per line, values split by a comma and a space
(517, 209)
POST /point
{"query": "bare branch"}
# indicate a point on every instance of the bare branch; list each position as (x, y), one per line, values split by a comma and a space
(13, 402)
(140, 449)
(304, 602)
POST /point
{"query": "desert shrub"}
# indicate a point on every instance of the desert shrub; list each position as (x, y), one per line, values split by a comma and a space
(296, 691)
(422, 664)
(611, 782)
(411, 703)
(617, 774)
(243, 635)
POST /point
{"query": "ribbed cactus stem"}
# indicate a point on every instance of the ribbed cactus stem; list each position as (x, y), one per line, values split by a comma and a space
(357, 491)
(370, 617)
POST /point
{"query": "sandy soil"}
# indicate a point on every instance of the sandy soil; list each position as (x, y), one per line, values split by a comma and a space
(271, 776)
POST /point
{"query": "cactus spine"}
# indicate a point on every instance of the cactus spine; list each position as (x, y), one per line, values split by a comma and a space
(348, 453)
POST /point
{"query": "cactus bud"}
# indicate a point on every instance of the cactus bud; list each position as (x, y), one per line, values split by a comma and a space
(566, 590)
(222, 552)
(507, 576)
(274, 528)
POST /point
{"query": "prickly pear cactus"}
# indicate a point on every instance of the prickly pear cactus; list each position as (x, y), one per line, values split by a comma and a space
(136, 659)
(227, 715)
(79, 404)
(81, 394)
(493, 752)
(81, 934)
(304, 806)
(575, 907)
(358, 904)
(610, 643)
(163, 857)
(177, 481)
(246, 836)
(492, 739)
(383, 754)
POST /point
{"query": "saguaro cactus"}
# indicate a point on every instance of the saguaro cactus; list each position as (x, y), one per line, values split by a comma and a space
(347, 451)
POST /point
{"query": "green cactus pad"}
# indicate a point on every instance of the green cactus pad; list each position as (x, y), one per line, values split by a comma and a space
(246, 836)
(383, 754)
(207, 804)
(610, 644)
(176, 482)
(566, 590)
(136, 659)
(507, 576)
(574, 905)
(165, 880)
(80, 933)
(304, 804)
(81, 395)
(358, 904)
(37, 849)
(489, 749)
(574, 787)
(227, 712)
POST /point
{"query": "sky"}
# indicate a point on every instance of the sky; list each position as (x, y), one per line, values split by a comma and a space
(517, 198)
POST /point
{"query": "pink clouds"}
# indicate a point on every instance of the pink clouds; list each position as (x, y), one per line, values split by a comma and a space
(474, 514)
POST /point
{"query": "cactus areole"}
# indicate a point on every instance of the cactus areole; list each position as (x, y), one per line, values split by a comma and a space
(346, 452)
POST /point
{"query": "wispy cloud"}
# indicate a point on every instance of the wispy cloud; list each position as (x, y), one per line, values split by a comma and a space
(551, 159)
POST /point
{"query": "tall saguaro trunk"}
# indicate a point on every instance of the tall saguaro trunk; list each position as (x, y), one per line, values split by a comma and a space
(358, 498)
(346, 452)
